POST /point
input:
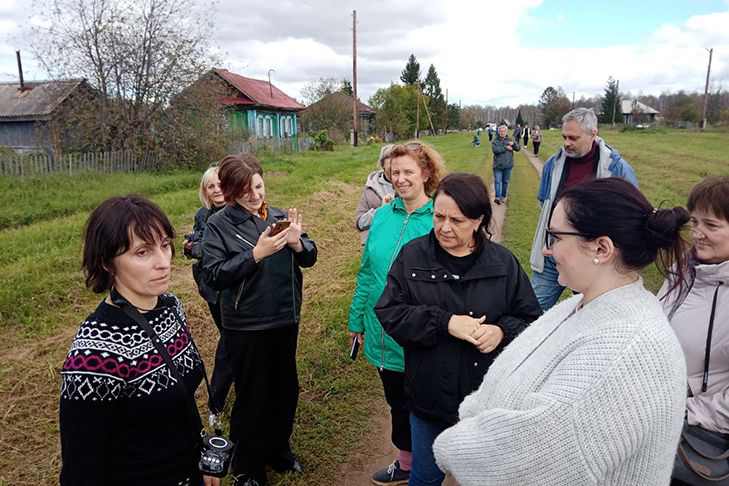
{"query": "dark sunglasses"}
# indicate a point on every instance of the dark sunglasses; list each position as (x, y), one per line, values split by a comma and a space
(551, 236)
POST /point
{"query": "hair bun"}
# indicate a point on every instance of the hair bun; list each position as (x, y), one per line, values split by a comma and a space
(663, 226)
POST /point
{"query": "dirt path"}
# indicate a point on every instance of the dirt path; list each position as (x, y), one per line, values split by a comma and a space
(535, 161)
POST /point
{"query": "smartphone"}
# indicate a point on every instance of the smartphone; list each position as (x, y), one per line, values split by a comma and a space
(279, 226)
(355, 348)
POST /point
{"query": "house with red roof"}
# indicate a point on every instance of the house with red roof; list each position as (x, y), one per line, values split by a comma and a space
(254, 105)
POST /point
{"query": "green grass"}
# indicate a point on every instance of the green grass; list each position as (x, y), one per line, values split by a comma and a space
(43, 297)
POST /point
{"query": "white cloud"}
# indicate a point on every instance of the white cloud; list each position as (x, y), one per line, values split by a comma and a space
(474, 44)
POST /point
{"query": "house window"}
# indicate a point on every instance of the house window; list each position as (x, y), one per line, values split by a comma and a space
(288, 126)
(269, 125)
(259, 128)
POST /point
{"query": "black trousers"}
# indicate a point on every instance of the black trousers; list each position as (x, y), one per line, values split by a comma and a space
(393, 383)
(222, 377)
(536, 147)
(266, 396)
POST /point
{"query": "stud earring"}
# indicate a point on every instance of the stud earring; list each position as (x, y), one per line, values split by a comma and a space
(595, 261)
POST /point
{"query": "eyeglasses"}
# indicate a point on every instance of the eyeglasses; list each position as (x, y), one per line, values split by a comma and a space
(551, 236)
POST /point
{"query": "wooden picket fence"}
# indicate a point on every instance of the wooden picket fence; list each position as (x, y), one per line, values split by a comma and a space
(74, 163)
(275, 145)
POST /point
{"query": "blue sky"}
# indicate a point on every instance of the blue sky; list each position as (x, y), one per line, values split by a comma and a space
(559, 23)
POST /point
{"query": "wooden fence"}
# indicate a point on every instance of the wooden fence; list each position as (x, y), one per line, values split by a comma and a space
(275, 145)
(73, 163)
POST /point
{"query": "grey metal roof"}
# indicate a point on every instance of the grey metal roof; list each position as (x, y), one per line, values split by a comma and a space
(629, 106)
(37, 101)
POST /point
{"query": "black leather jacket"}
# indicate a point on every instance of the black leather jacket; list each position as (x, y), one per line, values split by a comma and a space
(253, 296)
(195, 252)
(419, 300)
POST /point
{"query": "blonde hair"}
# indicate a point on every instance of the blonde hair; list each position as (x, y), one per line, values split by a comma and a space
(428, 159)
(202, 192)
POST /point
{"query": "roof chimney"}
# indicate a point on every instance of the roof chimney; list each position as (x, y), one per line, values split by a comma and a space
(20, 71)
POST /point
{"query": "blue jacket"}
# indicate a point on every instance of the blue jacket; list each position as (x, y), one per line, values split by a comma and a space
(611, 164)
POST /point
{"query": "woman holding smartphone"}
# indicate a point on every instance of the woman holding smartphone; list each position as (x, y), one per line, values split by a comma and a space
(253, 254)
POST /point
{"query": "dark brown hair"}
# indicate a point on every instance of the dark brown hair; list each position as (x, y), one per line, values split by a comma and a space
(472, 198)
(109, 231)
(235, 173)
(711, 194)
(615, 208)
(428, 159)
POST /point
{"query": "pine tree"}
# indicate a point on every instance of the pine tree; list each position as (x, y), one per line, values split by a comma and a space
(611, 101)
(411, 74)
(432, 85)
(346, 87)
(519, 119)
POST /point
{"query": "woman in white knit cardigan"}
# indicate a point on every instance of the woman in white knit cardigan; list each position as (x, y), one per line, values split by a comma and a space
(594, 391)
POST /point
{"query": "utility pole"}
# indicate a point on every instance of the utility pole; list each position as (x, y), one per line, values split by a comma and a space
(417, 113)
(355, 111)
(706, 90)
(445, 122)
(573, 100)
(615, 100)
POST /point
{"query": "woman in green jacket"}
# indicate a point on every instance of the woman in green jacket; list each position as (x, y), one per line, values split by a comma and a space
(416, 170)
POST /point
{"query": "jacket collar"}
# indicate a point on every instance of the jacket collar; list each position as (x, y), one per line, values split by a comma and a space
(237, 214)
(712, 274)
(486, 265)
(399, 205)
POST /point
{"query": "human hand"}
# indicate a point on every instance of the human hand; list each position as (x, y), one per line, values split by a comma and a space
(510, 146)
(388, 198)
(268, 245)
(359, 335)
(211, 481)
(187, 246)
(463, 327)
(488, 337)
(295, 228)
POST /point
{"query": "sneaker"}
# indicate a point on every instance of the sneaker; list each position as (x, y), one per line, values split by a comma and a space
(497, 200)
(391, 475)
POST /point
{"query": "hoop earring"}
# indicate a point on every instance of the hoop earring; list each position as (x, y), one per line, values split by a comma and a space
(595, 261)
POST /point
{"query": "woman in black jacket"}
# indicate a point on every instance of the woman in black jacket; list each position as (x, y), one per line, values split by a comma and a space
(453, 300)
(252, 254)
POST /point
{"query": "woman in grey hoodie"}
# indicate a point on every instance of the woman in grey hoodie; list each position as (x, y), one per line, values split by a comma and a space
(377, 191)
(699, 312)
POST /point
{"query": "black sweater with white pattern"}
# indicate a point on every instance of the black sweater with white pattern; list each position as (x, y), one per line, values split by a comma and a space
(123, 420)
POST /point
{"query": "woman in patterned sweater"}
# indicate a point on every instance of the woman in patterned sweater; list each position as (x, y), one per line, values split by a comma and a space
(123, 418)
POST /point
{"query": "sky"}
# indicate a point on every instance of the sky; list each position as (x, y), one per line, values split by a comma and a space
(486, 52)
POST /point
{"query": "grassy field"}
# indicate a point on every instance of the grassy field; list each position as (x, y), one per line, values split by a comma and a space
(42, 297)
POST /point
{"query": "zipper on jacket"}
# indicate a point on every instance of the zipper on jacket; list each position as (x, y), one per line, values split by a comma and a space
(392, 259)
(241, 288)
(241, 238)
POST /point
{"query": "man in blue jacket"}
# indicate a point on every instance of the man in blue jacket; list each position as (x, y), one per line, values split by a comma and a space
(583, 156)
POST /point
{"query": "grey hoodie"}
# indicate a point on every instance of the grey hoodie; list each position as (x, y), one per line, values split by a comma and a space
(375, 189)
(689, 314)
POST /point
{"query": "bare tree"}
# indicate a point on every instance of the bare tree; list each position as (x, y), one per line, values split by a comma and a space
(137, 54)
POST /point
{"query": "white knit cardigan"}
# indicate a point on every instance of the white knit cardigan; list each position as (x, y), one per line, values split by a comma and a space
(596, 397)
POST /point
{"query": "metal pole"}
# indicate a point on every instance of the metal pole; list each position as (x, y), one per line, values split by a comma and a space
(355, 111)
(20, 70)
(615, 102)
(706, 90)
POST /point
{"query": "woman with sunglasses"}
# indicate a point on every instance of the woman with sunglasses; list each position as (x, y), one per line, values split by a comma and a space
(124, 419)
(699, 314)
(415, 170)
(593, 392)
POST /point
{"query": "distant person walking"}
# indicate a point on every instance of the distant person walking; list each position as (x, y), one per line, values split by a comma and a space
(584, 156)
(517, 132)
(526, 135)
(536, 139)
(503, 149)
(490, 130)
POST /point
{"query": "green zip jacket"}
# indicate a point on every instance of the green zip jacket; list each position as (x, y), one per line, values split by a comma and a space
(392, 227)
